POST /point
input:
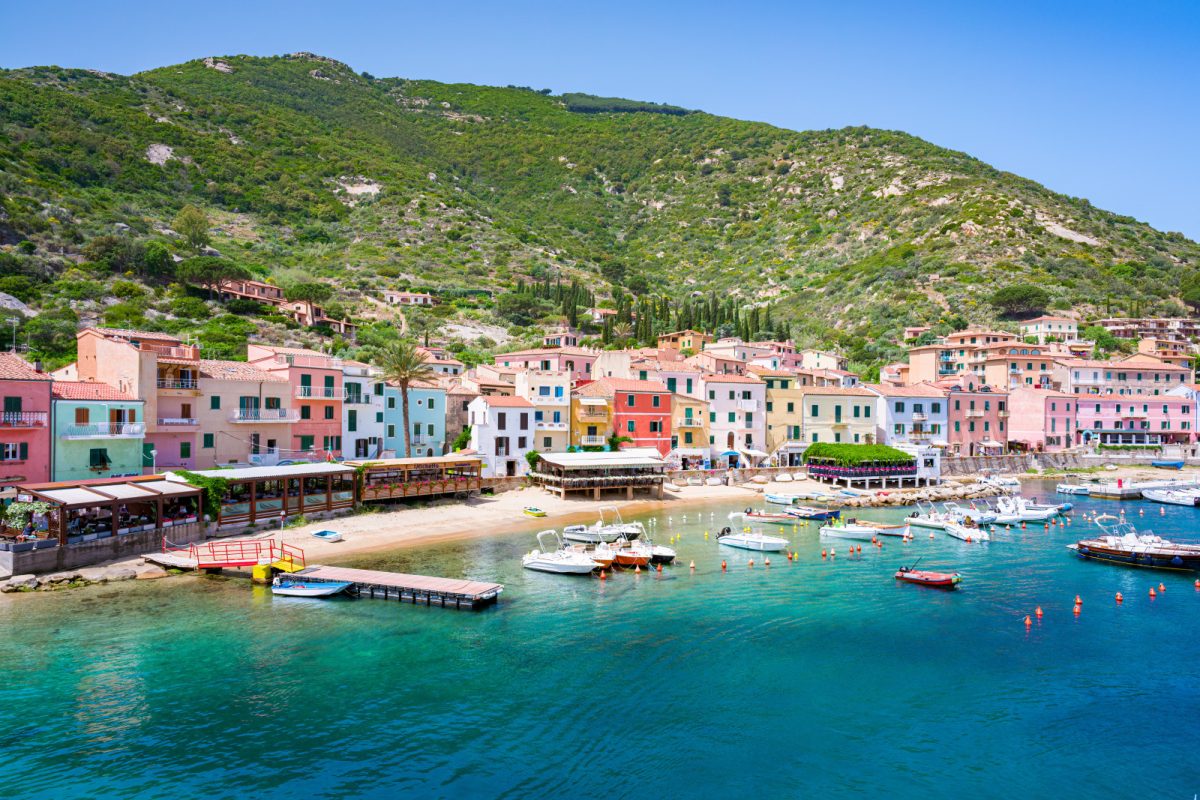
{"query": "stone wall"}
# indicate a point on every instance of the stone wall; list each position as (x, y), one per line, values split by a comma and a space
(82, 554)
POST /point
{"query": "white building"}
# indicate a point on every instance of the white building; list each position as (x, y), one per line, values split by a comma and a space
(502, 432)
(737, 419)
(549, 391)
(408, 298)
(929, 461)
(1064, 329)
(916, 414)
(362, 411)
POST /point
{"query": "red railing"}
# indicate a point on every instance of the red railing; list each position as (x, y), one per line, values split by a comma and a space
(240, 553)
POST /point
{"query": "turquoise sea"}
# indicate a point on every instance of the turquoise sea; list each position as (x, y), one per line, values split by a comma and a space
(814, 678)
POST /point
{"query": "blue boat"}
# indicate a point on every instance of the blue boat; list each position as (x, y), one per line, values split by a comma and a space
(808, 512)
(328, 536)
(1167, 464)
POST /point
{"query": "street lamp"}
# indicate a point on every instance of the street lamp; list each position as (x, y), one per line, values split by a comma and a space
(153, 461)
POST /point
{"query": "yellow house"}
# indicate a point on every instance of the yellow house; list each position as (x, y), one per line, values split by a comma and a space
(833, 414)
(689, 431)
(684, 340)
(591, 421)
(785, 414)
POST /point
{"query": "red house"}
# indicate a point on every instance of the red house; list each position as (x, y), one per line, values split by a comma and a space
(641, 410)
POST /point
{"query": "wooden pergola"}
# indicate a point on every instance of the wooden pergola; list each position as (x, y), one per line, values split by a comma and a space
(399, 478)
(258, 494)
(97, 509)
(622, 470)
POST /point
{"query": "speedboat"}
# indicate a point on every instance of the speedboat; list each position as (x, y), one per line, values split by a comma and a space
(292, 586)
(602, 553)
(1071, 488)
(328, 536)
(661, 554)
(1174, 497)
(967, 533)
(972, 515)
(632, 554)
(808, 512)
(849, 529)
(591, 534)
(885, 528)
(940, 580)
(927, 517)
(750, 515)
(1017, 506)
(1001, 481)
(1122, 544)
(533, 511)
(555, 558)
(781, 499)
(1167, 464)
(756, 540)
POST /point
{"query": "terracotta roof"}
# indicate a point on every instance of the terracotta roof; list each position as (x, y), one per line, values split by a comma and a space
(1046, 318)
(913, 390)
(505, 401)
(237, 371)
(89, 390)
(730, 378)
(126, 333)
(15, 368)
(293, 351)
(606, 387)
(1048, 392)
(851, 391)
(772, 373)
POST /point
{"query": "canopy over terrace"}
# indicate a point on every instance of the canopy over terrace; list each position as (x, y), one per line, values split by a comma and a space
(630, 469)
(87, 510)
(255, 494)
(397, 478)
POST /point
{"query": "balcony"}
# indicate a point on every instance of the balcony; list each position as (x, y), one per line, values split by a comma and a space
(594, 412)
(178, 422)
(540, 400)
(747, 405)
(1132, 414)
(262, 415)
(593, 441)
(548, 425)
(106, 430)
(1002, 414)
(188, 352)
(689, 422)
(312, 362)
(919, 416)
(922, 434)
(190, 384)
(318, 393)
(358, 399)
(972, 413)
(23, 419)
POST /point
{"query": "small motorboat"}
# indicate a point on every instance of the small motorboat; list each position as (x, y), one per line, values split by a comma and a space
(328, 536)
(1123, 544)
(1020, 508)
(756, 540)
(750, 515)
(940, 580)
(1072, 488)
(632, 554)
(849, 529)
(292, 586)
(1167, 464)
(780, 499)
(885, 528)
(927, 517)
(660, 554)
(533, 511)
(809, 512)
(602, 553)
(1174, 497)
(969, 516)
(967, 533)
(553, 557)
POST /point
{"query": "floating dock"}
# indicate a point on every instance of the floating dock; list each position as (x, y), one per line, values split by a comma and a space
(1133, 491)
(416, 589)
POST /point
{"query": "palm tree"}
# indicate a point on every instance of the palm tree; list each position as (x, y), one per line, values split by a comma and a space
(402, 363)
(622, 332)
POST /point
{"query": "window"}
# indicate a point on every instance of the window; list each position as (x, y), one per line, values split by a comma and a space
(867, 412)
(655, 426)
(687, 437)
(656, 401)
(328, 412)
(306, 443)
(629, 426)
(214, 402)
(392, 403)
(98, 458)
(957, 426)
(501, 421)
(431, 404)
(816, 412)
(185, 449)
(814, 438)
(712, 395)
(379, 416)
(305, 412)
(857, 411)
(547, 443)
(791, 407)
(732, 416)
(391, 431)
(770, 406)
(936, 408)
(208, 441)
(899, 407)
(329, 386)
(898, 429)
(712, 416)
(543, 391)
(81, 416)
(272, 402)
(332, 443)
(629, 400)
(352, 421)
(524, 420)
(378, 389)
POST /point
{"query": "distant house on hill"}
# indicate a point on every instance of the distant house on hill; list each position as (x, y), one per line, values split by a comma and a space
(408, 298)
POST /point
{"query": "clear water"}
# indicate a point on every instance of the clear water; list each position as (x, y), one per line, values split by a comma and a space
(820, 677)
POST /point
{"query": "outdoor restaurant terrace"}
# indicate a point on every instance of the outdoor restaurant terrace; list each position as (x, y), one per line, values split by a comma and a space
(626, 470)
(256, 494)
(398, 478)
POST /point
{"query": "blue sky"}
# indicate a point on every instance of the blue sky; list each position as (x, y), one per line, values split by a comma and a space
(1093, 99)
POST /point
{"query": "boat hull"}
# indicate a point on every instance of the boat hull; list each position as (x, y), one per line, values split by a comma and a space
(558, 567)
(964, 534)
(1168, 561)
(806, 512)
(937, 580)
(932, 524)
(298, 589)
(328, 536)
(854, 534)
(764, 544)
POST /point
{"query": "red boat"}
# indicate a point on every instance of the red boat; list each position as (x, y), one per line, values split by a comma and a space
(942, 580)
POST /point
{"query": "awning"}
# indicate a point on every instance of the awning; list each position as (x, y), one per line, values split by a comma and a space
(689, 451)
(728, 453)
(750, 453)
(592, 401)
(940, 443)
(990, 443)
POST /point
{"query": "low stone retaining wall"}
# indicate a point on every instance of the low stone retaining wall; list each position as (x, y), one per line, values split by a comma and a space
(82, 554)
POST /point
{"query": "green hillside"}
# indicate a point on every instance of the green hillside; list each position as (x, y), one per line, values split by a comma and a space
(310, 172)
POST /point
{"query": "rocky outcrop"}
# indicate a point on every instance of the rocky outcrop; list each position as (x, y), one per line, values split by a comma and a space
(926, 494)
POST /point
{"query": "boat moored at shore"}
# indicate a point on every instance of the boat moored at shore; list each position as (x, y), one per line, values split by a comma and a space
(1123, 544)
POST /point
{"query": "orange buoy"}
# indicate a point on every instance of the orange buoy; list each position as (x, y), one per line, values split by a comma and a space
(1120, 599)
(1038, 612)
(1022, 526)
(692, 566)
(1152, 592)
(824, 554)
(723, 565)
(767, 561)
(1028, 621)
(751, 563)
(968, 538)
(860, 548)
(1077, 610)
(603, 577)
(1198, 583)
(1078, 602)
(1047, 526)
(637, 567)
(660, 567)
(1161, 588)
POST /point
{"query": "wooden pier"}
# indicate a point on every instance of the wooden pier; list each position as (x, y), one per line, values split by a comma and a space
(417, 589)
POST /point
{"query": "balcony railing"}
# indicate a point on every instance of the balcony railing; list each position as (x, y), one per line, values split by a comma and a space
(689, 422)
(920, 434)
(919, 416)
(542, 400)
(314, 362)
(102, 430)
(178, 422)
(319, 392)
(23, 419)
(747, 405)
(973, 413)
(594, 411)
(190, 352)
(358, 399)
(592, 441)
(176, 383)
(549, 425)
(264, 415)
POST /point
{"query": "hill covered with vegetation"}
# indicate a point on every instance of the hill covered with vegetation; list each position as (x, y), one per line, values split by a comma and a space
(516, 206)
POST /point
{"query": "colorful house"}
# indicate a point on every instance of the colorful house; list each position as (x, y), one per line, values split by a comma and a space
(98, 431)
(576, 360)
(550, 393)
(426, 418)
(363, 428)
(245, 415)
(316, 387)
(915, 414)
(836, 414)
(591, 419)
(737, 419)
(689, 432)
(1138, 374)
(1042, 420)
(1144, 420)
(977, 417)
(785, 414)
(502, 434)
(25, 441)
(641, 410)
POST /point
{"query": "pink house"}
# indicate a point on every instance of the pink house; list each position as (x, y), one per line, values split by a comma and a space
(977, 421)
(576, 360)
(1043, 420)
(1113, 419)
(25, 422)
(317, 396)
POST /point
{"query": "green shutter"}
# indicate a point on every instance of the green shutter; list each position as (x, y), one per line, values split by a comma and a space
(214, 402)
(208, 440)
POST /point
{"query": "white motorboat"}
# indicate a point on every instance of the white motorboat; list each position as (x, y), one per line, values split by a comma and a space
(752, 540)
(294, 586)
(1173, 497)
(884, 528)
(849, 529)
(926, 516)
(1016, 506)
(1006, 482)
(967, 533)
(972, 515)
(591, 534)
(553, 557)
(781, 499)
(1072, 488)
